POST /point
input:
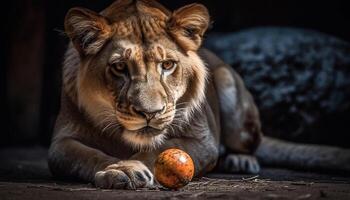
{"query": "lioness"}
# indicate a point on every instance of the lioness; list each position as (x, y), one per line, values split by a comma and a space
(136, 82)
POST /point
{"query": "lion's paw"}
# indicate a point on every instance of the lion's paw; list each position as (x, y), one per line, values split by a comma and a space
(240, 163)
(129, 174)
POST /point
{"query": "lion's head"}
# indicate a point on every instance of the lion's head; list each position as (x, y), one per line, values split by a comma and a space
(136, 67)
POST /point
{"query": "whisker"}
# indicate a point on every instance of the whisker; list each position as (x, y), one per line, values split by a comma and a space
(178, 126)
(181, 103)
(107, 127)
(181, 121)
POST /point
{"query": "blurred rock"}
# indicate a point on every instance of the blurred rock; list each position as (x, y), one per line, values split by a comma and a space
(300, 80)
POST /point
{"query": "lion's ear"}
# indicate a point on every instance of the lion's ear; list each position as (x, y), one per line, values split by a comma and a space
(87, 29)
(188, 25)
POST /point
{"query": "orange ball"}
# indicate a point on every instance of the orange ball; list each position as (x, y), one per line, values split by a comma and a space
(174, 168)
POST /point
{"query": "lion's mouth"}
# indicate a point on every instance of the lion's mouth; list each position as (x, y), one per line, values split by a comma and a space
(146, 137)
(148, 131)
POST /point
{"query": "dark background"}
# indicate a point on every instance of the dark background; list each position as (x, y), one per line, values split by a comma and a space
(32, 47)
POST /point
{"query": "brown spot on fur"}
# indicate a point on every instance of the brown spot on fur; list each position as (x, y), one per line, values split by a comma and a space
(127, 53)
(160, 51)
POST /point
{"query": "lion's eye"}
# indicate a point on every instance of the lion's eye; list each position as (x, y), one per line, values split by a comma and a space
(119, 68)
(168, 65)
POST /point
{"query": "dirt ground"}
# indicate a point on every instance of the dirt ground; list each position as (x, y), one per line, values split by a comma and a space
(24, 175)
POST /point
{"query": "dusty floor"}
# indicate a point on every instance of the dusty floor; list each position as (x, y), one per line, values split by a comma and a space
(24, 175)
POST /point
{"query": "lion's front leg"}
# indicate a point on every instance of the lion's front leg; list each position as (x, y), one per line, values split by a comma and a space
(70, 158)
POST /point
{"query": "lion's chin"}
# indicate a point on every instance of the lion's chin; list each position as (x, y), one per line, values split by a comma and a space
(147, 138)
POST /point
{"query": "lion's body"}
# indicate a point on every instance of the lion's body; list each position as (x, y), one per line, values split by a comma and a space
(207, 135)
(135, 82)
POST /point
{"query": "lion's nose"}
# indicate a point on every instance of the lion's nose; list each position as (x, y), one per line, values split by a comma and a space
(147, 113)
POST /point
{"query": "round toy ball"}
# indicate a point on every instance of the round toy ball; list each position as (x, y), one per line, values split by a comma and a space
(174, 168)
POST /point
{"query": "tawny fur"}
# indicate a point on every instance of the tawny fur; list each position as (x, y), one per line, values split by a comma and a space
(121, 107)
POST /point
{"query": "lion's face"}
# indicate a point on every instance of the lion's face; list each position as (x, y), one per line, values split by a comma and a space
(139, 72)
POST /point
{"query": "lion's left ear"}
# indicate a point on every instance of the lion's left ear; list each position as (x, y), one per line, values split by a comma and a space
(188, 25)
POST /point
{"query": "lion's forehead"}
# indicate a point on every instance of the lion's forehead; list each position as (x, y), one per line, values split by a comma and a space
(154, 52)
(140, 22)
(140, 28)
(129, 16)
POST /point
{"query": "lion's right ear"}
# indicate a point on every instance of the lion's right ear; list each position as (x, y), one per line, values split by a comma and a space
(87, 29)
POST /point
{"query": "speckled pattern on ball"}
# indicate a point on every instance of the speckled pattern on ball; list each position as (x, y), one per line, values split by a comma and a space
(174, 168)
